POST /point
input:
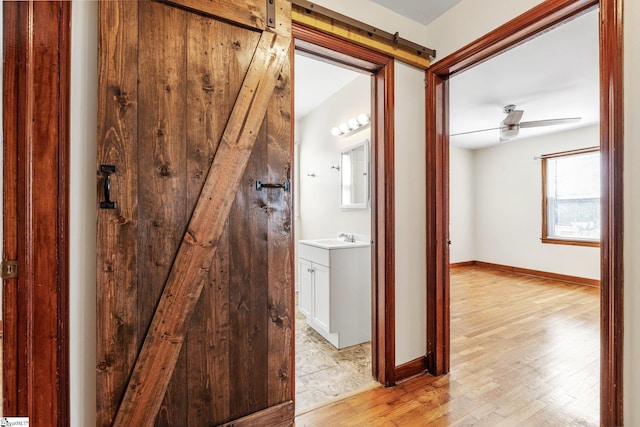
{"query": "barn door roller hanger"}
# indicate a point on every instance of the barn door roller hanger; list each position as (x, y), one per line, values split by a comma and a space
(271, 13)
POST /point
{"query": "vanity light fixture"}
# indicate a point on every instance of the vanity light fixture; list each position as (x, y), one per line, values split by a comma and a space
(351, 125)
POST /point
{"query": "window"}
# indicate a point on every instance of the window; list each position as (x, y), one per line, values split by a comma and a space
(571, 197)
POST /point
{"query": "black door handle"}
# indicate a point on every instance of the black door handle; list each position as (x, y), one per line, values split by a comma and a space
(107, 170)
(285, 185)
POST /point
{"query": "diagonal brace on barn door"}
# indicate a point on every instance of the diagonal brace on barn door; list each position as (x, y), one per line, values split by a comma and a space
(157, 359)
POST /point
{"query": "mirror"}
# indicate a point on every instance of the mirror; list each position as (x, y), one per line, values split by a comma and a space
(354, 176)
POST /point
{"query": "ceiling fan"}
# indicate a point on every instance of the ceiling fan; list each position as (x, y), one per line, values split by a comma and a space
(511, 125)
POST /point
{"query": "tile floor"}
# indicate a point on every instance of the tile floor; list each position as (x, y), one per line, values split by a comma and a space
(323, 372)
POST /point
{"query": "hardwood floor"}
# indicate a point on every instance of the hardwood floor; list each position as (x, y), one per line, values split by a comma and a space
(525, 352)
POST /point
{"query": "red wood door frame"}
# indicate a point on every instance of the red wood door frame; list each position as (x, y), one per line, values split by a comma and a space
(541, 18)
(337, 50)
(35, 218)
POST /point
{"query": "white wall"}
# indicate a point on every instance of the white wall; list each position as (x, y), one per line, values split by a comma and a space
(320, 213)
(470, 20)
(495, 196)
(410, 214)
(508, 220)
(82, 242)
(631, 383)
(462, 199)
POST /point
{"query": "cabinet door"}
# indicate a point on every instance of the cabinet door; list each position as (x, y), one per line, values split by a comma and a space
(305, 301)
(321, 297)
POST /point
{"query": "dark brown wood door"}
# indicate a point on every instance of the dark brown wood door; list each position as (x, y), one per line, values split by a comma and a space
(194, 295)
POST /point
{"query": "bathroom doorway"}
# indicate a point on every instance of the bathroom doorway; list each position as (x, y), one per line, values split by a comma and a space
(376, 138)
(332, 221)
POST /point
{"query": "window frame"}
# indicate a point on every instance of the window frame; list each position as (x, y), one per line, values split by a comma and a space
(544, 235)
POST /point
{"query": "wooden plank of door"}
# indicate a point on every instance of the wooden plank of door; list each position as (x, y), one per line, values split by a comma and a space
(207, 344)
(163, 209)
(279, 263)
(153, 369)
(116, 290)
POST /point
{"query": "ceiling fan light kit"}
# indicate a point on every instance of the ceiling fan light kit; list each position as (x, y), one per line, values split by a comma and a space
(509, 131)
(510, 126)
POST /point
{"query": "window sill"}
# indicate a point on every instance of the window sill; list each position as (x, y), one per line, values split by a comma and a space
(590, 243)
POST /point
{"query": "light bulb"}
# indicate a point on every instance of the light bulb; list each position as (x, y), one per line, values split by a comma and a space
(335, 131)
(353, 123)
(363, 119)
(344, 128)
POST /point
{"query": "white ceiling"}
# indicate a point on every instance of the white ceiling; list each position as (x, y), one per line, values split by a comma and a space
(315, 82)
(552, 76)
(422, 11)
(555, 75)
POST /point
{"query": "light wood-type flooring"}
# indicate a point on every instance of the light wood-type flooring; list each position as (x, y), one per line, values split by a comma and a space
(525, 352)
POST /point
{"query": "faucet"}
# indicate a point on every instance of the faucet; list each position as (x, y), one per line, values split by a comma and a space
(348, 237)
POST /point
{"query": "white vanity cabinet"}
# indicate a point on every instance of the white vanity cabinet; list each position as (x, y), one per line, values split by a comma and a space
(335, 290)
(315, 293)
(305, 279)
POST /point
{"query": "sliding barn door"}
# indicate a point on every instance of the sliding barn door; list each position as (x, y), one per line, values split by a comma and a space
(194, 298)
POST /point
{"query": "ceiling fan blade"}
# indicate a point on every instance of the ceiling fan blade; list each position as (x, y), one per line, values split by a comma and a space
(513, 117)
(549, 122)
(473, 131)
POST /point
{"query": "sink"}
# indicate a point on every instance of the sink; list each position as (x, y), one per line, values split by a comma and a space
(334, 243)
